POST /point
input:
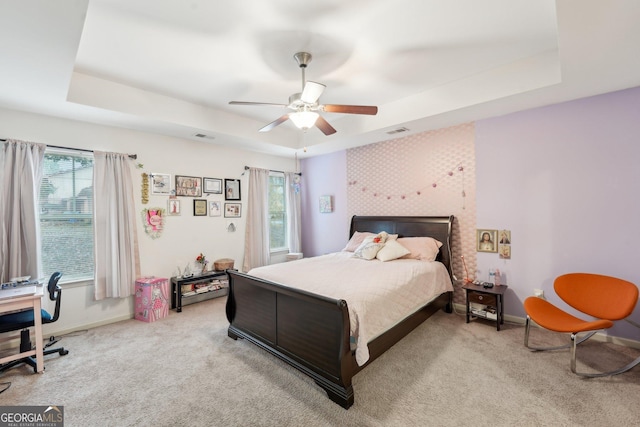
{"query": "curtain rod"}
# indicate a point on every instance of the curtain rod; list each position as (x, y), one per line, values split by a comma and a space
(131, 156)
(271, 170)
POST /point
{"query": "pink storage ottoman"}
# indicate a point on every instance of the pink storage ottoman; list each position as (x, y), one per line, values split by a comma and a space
(152, 298)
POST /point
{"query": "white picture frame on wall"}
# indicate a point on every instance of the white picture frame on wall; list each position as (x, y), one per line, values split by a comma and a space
(326, 204)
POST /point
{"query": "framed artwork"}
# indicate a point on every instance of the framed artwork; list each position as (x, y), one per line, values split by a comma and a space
(486, 240)
(232, 210)
(214, 208)
(173, 207)
(188, 186)
(504, 251)
(160, 183)
(199, 207)
(212, 185)
(232, 189)
(326, 204)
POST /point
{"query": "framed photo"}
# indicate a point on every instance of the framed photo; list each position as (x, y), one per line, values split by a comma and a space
(188, 186)
(160, 183)
(199, 207)
(215, 208)
(212, 185)
(232, 210)
(486, 240)
(173, 207)
(232, 189)
(326, 204)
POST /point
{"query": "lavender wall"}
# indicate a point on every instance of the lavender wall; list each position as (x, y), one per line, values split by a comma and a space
(565, 179)
(324, 232)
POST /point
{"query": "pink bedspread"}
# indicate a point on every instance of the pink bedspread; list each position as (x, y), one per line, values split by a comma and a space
(379, 294)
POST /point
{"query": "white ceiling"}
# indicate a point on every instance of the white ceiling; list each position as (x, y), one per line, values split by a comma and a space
(172, 66)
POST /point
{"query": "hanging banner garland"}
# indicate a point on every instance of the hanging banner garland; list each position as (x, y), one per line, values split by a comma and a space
(418, 191)
(153, 220)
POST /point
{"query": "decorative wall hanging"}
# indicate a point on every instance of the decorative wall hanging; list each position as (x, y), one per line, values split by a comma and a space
(414, 192)
(153, 220)
(487, 240)
(326, 204)
(160, 183)
(145, 188)
(504, 244)
(188, 186)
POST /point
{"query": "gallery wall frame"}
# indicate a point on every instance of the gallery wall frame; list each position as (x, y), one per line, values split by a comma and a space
(190, 186)
(161, 183)
(212, 185)
(232, 189)
(215, 208)
(199, 207)
(173, 207)
(232, 210)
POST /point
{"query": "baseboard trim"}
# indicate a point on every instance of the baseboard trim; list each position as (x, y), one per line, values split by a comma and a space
(13, 341)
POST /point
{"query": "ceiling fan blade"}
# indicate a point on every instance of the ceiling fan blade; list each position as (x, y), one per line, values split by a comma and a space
(312, 92)
(275, 123)
(255, 103)
(350, 109)
(324, 126)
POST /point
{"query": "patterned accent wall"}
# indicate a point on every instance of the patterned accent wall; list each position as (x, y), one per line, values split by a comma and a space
(431, 173)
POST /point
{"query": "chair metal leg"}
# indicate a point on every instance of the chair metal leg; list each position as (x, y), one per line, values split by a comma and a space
(559, 347)
(575, 343)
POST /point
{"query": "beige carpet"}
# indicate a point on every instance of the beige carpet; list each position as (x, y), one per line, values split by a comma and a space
(184, 371)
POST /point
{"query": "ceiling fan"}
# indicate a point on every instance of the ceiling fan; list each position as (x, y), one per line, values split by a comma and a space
(305, 105)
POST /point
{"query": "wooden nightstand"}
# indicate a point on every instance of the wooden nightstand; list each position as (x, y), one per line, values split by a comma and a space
(490, 297)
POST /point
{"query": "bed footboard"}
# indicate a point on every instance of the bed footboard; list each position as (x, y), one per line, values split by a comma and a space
(308, 331)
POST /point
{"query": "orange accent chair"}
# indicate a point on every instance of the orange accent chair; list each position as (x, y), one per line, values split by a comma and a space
(606, 299)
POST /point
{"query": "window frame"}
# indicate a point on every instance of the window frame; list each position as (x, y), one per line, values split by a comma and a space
(285, 248)
(87, 217)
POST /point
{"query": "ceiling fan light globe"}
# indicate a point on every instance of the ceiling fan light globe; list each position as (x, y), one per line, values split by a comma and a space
(304, 119)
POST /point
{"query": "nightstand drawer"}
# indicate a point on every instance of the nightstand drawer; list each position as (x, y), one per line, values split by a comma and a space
(481, 298)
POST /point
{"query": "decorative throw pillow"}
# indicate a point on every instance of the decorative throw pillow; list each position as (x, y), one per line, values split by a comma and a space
(423, 248)
(356, 240)
(392, 250)
(367, 250)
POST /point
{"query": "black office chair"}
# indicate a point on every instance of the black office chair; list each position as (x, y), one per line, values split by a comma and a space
(23, 320)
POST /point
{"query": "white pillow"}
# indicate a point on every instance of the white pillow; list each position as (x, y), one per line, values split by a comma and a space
(392, 250)
(367, 250)
(356, 240)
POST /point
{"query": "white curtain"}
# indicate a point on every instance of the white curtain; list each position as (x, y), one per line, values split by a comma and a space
(116, 246)
(256, 240)
(292, 185)
(20, 174)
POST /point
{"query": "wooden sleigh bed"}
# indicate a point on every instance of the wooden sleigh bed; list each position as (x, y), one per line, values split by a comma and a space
(312, 332)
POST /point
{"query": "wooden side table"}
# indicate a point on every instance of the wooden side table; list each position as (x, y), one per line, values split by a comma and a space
(493, 297)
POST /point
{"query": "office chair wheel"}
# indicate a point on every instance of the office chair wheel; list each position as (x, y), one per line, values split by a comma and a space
(63, 352)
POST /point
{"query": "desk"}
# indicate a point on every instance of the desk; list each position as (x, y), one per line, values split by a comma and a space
(30, 301)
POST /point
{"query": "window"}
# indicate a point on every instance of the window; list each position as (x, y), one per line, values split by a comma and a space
(277, 213)
(66, 215)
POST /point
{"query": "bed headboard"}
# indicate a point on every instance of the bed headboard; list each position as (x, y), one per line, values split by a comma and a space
(438, 227)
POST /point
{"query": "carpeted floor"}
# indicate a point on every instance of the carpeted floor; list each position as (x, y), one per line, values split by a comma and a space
(184, 371)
